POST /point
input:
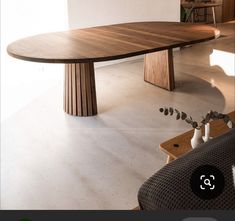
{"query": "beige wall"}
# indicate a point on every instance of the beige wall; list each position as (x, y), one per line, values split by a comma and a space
(88, 13)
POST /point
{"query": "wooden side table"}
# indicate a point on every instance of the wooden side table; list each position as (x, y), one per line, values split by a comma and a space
(180, 145)
(191, 7)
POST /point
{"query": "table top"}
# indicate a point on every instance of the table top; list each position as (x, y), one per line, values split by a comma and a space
(178, 146)
(109, 42)
(198, 5)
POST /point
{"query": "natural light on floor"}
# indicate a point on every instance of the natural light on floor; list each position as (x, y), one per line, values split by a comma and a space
(225, 60)
(21, 81)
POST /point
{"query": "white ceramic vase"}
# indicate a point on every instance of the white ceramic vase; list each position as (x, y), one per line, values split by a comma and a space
(197, 138)
(207, 133)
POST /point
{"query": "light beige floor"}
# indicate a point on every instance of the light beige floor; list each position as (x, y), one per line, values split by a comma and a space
(51, 160)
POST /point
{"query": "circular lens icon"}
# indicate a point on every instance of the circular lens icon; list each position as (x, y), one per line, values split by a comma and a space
(207, 182)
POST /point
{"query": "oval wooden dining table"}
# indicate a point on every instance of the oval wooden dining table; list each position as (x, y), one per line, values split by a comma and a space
(78, 49)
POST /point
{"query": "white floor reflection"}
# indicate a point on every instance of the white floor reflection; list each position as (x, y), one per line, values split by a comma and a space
(226, 60)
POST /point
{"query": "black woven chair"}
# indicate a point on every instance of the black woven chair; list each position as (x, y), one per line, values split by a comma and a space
(169, 188)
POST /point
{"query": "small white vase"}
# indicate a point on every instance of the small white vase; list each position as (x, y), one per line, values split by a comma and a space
(197, 138)
(207, 133)
(230, 124)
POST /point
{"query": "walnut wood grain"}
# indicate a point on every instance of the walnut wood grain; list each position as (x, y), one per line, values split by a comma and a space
(159, 69)
(79, 90)
(109, 42)
(180, 145)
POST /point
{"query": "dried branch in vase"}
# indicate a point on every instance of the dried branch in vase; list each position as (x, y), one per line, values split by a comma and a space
(212, 115)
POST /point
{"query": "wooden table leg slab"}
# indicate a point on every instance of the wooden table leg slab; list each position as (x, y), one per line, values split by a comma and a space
(79, 90)
(159, 69)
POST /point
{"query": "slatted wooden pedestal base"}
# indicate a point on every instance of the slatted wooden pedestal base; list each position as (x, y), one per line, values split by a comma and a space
(159, 69)
(79, 90)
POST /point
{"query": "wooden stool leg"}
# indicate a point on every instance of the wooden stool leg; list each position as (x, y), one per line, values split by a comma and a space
(79, 90)
(159, 69)
(169, 159)
(214, 17)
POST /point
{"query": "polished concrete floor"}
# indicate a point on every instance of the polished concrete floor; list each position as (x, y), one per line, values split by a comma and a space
(51, 160)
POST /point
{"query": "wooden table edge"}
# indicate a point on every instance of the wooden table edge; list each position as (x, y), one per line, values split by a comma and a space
(110, 58)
